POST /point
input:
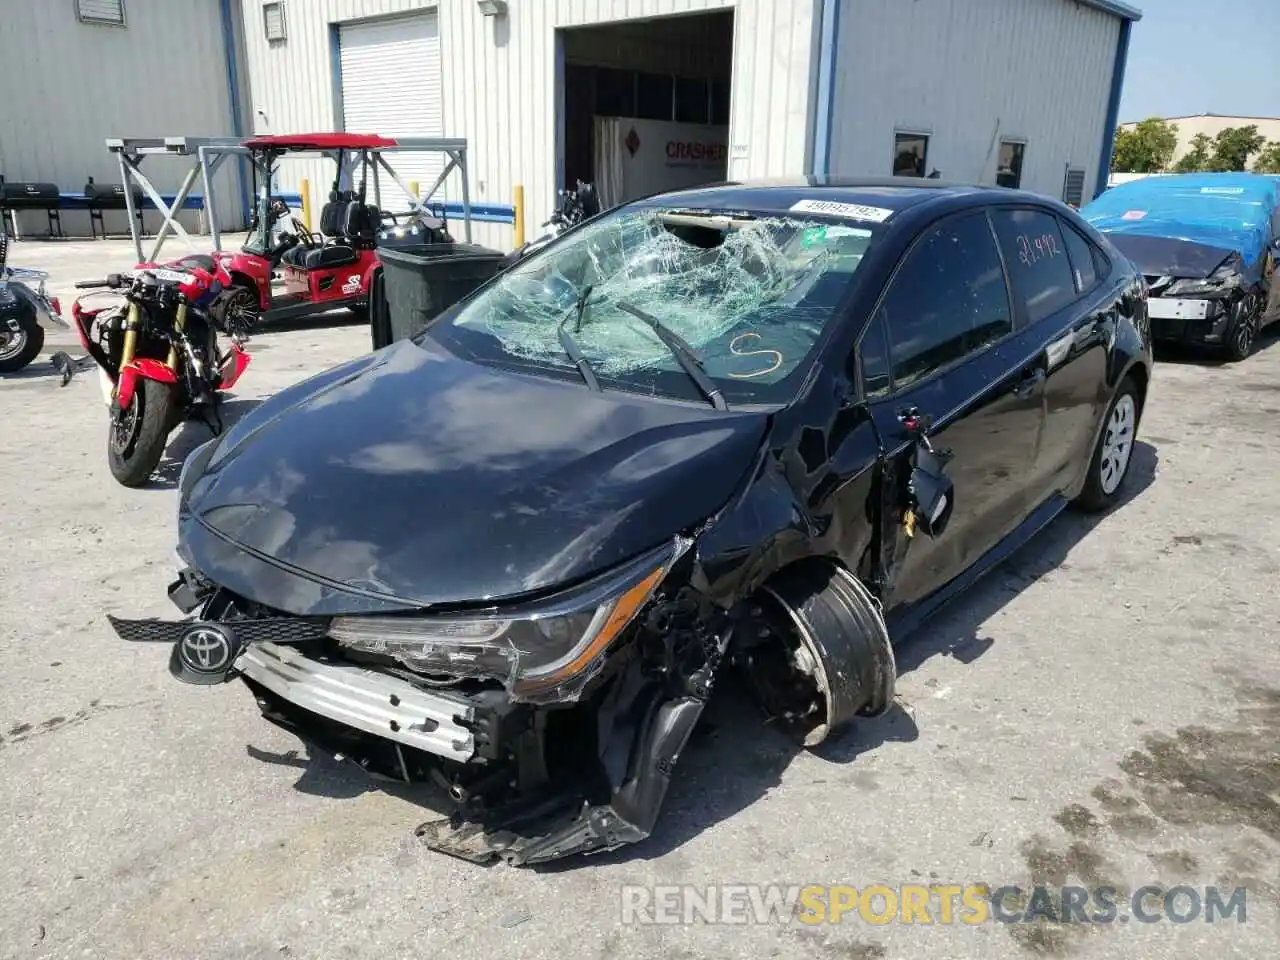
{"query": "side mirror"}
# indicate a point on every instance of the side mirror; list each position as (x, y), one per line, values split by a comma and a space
(932, 492)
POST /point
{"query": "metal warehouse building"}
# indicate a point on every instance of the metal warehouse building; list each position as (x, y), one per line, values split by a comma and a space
(77, 72)
(635, 95)
(639, 95)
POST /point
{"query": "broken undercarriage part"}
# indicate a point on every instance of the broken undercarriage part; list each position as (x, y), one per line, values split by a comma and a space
(819, 654)
(603, 766)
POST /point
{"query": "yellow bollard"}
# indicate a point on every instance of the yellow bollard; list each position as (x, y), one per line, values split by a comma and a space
(518, 223)
(305, 190)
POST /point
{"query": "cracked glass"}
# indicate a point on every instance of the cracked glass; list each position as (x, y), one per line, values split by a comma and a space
(751, 295)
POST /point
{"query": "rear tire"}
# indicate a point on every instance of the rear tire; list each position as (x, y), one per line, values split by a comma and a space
(135, 447)
(1113, 453)
(20, 348)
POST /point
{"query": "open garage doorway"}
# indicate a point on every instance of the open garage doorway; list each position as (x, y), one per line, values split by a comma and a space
(645, 104)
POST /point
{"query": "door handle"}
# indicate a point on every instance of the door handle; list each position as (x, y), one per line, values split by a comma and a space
(913, 420)
(1030, 380)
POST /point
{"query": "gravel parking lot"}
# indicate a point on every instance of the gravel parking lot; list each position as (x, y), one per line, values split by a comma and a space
(1104, 710)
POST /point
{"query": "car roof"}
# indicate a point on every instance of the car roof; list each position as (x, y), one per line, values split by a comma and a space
(781, 194)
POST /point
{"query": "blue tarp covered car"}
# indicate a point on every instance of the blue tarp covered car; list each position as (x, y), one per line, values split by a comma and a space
(1207, 244)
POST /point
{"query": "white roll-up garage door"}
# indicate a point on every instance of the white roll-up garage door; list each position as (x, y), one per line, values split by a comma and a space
(391, 85)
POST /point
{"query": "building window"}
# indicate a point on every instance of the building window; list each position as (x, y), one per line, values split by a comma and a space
(109, 12)
(1009, 168)
(910, 151)
(273, 21)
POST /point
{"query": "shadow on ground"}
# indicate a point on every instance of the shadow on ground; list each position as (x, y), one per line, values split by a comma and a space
(191, 434)
(963, 639)
(315, 321)
(1184, 354)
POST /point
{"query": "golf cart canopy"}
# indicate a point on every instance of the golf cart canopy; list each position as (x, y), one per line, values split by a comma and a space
(321, 141)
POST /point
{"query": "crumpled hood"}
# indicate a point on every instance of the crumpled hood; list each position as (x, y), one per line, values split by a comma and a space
(416, 476)
(1170, 257)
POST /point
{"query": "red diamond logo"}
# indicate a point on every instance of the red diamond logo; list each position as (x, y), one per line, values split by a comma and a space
(632, 143)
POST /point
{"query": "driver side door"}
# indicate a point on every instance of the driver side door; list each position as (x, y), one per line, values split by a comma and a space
(943, 343)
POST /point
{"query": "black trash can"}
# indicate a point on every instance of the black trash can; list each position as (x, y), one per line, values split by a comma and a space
(415, 283)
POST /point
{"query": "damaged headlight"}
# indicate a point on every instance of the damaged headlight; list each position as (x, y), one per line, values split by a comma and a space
(1224, 280)
(541, 652)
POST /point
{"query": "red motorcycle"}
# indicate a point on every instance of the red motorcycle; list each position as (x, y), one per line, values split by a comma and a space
(158, 357)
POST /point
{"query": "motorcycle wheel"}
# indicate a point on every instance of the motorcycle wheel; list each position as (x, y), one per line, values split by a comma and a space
(19, 347)
(137, 436)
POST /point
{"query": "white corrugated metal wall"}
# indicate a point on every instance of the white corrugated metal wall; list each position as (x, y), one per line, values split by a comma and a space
(69, 85)
(968, 73)
(499, 84)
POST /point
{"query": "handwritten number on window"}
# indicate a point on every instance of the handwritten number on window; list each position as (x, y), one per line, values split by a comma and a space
(1032, 250)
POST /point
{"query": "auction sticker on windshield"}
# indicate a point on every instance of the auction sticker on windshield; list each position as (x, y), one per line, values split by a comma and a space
(850, 211)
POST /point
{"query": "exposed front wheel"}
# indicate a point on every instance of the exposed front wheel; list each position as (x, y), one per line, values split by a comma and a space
(819, 655)
(138, 434)
(19, 347)
(1113, 452)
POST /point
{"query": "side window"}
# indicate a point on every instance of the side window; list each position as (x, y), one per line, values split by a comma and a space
(948, 299)
(874, 355)
(1083, 259)
(1036, 254)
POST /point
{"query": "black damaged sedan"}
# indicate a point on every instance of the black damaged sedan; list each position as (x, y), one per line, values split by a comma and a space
(755, 428)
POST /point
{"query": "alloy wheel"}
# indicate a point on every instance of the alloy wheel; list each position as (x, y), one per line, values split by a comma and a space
(12, 343)
(1247, 328)
(124, 427)
(1117, 443)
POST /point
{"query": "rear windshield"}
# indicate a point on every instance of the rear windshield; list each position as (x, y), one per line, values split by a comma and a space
(750, 294)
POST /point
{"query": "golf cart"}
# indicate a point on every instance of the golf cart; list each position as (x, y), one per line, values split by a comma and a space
(330, 269)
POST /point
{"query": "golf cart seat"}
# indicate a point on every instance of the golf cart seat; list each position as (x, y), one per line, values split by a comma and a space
(353, 230)
(330, 255)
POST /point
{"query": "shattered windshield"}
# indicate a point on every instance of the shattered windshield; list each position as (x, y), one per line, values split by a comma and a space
(749, 295)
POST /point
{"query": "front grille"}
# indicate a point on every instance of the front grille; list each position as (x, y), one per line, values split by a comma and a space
(270, 630)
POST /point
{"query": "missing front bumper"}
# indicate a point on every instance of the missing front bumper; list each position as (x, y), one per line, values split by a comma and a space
(365, 700)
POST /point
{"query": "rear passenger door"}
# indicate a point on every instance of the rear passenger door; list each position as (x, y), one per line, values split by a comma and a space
(943, 341)
(1055, 276)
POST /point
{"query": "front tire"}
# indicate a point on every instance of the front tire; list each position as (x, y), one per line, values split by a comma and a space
(137, 436)
(1113, 453)
(18, 348)
(1244, 327)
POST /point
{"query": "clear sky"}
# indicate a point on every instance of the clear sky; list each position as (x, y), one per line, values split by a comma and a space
(1203, 56)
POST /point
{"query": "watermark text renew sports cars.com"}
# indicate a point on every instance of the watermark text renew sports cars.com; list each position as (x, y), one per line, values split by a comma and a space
(936, 903)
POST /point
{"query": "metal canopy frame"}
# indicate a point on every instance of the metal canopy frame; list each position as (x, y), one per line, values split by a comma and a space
(210, 152)
(131, 151)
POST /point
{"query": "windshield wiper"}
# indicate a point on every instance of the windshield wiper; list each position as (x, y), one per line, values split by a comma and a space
(570, 345)
(683, 353)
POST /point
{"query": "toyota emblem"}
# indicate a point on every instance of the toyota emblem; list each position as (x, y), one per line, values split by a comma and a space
(205, 649)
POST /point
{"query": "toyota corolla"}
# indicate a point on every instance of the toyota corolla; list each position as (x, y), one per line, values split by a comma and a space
(756, 428)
